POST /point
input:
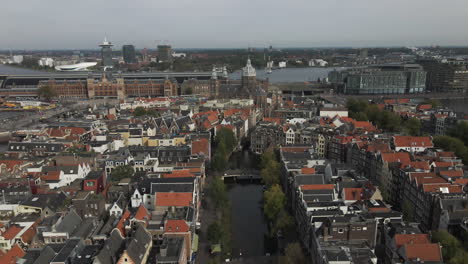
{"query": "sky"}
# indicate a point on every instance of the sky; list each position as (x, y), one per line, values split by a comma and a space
(82, 24)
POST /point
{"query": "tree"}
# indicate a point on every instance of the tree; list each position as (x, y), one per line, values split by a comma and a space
(293, 255)
(274, 200)
(460, 131)
(217, 192)
(214, 233)
(452, 250)
(226, 136)
(139, 111)
(407, 211)
(122, 172)
(452, 144)
(360, 116)
(412, 126)
(46, 92)
(270, 169)
(284, 222)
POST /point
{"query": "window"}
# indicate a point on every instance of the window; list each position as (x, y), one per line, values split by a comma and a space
(341, 230)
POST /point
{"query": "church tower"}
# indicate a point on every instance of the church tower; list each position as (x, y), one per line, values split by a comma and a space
(249, 78)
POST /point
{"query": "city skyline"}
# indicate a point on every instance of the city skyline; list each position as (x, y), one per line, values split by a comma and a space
(216, 24)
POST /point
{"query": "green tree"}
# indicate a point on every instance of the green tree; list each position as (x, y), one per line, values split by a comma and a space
(226, 136)
(46, 92)
(355, 106)
(139, 111)
(214, 233)
(284, 222)
(218, 193)
(412, 126)
(270, 169)
(274, 200)
(361, 116)
(460, 131)
(452, 250)
(293, 255)
(121, 172)
(452, 144)
(408, 211)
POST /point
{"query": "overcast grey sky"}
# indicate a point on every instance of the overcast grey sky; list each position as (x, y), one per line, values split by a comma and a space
(73, 24)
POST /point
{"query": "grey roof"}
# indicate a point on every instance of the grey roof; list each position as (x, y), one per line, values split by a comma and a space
(50, 200)
(86, 256)
(69, 222)
(39, 256)
(303, 179)
(72, 247)
(139, 244)
(152, 185)
(66, 169)
(170, 249)
(86, 227)
(112, 247)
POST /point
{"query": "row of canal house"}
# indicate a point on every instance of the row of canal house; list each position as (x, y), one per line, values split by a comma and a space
(340, 215)
(415, 177)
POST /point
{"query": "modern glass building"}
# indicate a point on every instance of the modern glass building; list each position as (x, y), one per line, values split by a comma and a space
(129, 55)
(384, 79)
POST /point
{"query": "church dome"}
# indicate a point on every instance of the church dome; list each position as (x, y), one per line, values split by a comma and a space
(249, 70)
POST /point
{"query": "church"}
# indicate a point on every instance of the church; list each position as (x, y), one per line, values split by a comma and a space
(248, 87)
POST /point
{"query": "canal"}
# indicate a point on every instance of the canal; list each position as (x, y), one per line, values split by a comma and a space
(250, 234)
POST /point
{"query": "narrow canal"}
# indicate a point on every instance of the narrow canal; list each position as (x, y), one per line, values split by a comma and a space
(249, 227)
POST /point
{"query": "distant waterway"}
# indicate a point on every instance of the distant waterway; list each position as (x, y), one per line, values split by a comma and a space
(5, 70)
(291, 74)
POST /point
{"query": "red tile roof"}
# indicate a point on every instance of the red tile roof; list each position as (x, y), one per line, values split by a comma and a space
(11, 232)
(452, 173)
(142, 214)
(403, 239)
(29, 234)
(121, 224)
(408, 141)
(12, 255)
(317, 187)
(353, 193)
(423, 165)
(443, 164)
(51, 176)
(201, 146)
(179, 174)
(423, 252)
(436, 188)
(461, 181)
(173, 199)
(276, 120)
(402, 157)
(175, 226)
(426, 178)
(11, 164)
(422, 107)
(308, 170)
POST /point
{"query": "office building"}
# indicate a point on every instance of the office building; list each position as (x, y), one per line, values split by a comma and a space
(106, 54)
(164, 53)
(386, 79)
(448, 77)
(128, 53)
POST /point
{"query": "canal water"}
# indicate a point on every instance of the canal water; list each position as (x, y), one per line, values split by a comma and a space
(250, 234)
